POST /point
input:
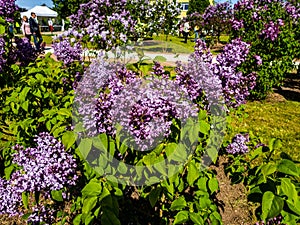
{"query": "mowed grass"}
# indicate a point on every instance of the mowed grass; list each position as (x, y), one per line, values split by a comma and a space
(174, 44)
(272, 120)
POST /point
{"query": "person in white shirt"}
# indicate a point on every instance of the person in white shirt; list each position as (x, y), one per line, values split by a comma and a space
(50, 24)
(186, 30)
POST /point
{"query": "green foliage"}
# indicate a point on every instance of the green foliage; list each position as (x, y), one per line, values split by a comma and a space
(273, 182)
(277, 55)
(66, 8)
(198, 6)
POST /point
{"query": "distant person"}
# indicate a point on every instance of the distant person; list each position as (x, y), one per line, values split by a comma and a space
(11, 28)
(36, 32)
(26, 27)
(50, 24)
(186, 30)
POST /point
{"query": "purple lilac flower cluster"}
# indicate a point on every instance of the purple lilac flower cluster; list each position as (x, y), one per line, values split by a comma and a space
(103, 21)
(271, 30)
(234, 85)
(25, 51)
(10, 198)
(238, 144)
(272, 221)
(109, 95)
(42, 214)
(258, 59)
(145, 109)
(67, 52)
(237, 24)
(159, 71)
(293, 10)
(2, 51)
(44, 168)
(102, 79)
(7, 9)
(198, 81)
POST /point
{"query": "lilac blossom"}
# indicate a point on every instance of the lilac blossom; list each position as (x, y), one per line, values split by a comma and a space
(41, 214)
(45, 167)
(110, 95)
(24, 50)
(145, 109)
(271, 30)
(67, 52)
(258, 59)
(292, 10)
(10, 198)
(237, 24)
(235, 86)
(238, 144)
(159, 71)
(7, 9)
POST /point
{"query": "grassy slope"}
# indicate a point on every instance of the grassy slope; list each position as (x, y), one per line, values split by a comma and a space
(272, 120)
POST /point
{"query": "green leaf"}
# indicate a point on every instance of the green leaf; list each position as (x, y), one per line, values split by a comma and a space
(196, 218)
(2, 29)
(181, 217)
(193, 173)
(25, 105)
(213, 185)
(89, 204)
(68, 139)
(204, 127)
(57, 195)
(154, 195)
(178, 204)
(77, 219)
(25, 196)
(288, 167)
(272, 205)
(122, 168)
(159, 58)
(104, 193)
(93, 188)
(85, 147)
(109, 218)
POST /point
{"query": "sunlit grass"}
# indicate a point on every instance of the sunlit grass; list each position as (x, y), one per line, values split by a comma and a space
(272, 120)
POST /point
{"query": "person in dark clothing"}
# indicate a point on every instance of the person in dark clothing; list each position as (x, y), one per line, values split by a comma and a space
(35, 30)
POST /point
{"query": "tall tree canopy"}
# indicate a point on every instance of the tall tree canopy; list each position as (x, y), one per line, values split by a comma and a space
(197, 6)
(65, 8)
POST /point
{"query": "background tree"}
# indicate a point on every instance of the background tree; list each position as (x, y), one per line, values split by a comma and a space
(197, 6)
(65, 8)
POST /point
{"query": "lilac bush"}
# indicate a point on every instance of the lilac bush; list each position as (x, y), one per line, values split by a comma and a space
(272, 28)
(238, 144)
(217, 19)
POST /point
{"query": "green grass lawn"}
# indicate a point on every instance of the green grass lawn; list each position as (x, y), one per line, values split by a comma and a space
(272, 120)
